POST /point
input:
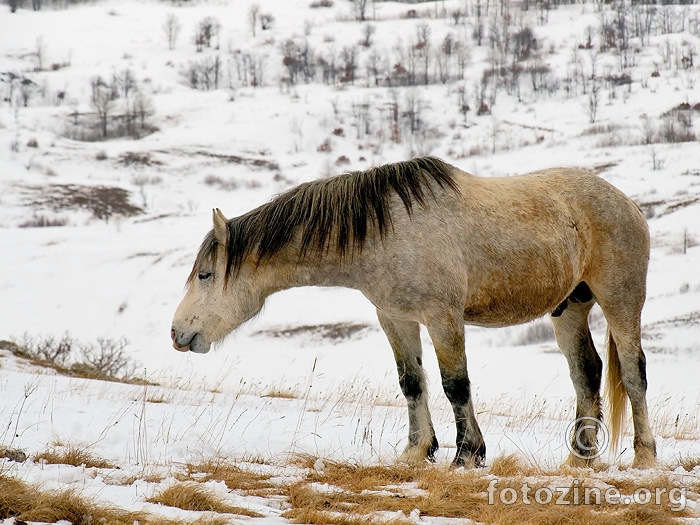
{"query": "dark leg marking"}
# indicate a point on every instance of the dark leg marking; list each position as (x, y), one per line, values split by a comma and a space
(471, 448)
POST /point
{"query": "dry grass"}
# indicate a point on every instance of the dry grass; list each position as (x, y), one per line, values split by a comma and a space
(353, 494)
(72, 455)
(27, 503)
(689, 463)
(336, 518)
(339, 493)
(283, 393)
(195, 496)
(235, 477)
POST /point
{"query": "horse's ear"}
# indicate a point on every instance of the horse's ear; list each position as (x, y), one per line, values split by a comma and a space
(220, 227)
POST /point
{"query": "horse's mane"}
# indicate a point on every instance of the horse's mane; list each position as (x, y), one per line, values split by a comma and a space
(345, 208)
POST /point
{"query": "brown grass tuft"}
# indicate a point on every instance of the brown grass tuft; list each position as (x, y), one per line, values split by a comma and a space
(235, 477)
(363, 477)
(512, 465)
(195, 496)
(27, 503)
(688, 463)
(282, 394)
(335, 518)
(72, 455)
(211, 520)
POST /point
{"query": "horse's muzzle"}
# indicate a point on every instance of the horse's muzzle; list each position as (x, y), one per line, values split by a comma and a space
(188, 343)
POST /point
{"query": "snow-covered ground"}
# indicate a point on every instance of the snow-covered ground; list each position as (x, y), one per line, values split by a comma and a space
(236, 146)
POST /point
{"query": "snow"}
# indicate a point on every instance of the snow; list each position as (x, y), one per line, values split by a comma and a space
(124, 277)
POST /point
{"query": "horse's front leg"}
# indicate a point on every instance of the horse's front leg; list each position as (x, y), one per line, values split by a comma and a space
(447, 334)
(404, 337)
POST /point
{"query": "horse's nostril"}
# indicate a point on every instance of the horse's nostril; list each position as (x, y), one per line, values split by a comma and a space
(172, 334)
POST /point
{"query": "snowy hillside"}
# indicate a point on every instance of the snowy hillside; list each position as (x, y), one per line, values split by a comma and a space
(123, 123)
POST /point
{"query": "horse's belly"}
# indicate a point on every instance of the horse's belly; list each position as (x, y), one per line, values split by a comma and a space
(513, 307)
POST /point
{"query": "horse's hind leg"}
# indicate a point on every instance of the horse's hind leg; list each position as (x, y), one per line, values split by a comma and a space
(447, 334)
(404, 337)
(585, 367)
(625, 351)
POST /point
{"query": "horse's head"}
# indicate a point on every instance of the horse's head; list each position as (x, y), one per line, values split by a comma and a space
(215, 303)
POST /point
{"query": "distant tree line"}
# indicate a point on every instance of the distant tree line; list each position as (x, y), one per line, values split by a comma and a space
(36, 5)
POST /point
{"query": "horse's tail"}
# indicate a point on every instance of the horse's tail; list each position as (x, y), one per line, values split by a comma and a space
(616, 395)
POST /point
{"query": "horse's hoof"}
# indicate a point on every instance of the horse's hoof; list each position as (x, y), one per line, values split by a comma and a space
(644, 459)
(577, 461)
(468, 461)
(414, 457)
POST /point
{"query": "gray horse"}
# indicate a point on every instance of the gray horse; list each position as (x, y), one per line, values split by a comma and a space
(429, 244)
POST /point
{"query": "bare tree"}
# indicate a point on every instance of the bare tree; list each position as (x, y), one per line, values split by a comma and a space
(422, 47)
(395, 111)
(27, 88)
(253, 14)
(374, 64)
(40, 53)
(592, 102)
(463, 55)
(349, 57)
(360, 9)
(368, 30)
(102, 101)
(171, 28)
(463, 101)
(123, 82)
(207, 29)
(143, 108)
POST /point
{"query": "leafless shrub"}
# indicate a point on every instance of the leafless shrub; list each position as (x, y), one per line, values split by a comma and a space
(207, 30)
(677, 125)
(42, 221)
(657, 161)
(223, 184)
(203, 74)
(137, 158)
(298, 58)
(321, 3)
(536, 333)
(368, 31)
(250, 68)
(49, 348)
(267, 20)
(106, 359)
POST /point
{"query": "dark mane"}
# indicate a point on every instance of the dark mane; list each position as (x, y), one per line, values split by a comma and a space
(342, 210)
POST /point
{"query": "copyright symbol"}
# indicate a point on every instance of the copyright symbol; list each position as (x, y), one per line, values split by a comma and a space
(580, 447)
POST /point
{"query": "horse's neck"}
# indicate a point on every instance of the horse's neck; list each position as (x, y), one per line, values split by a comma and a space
(290, 271)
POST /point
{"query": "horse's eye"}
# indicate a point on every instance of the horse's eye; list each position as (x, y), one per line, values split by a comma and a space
(203, 276)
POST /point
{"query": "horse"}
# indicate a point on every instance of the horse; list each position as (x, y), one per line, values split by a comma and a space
(428, 243)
